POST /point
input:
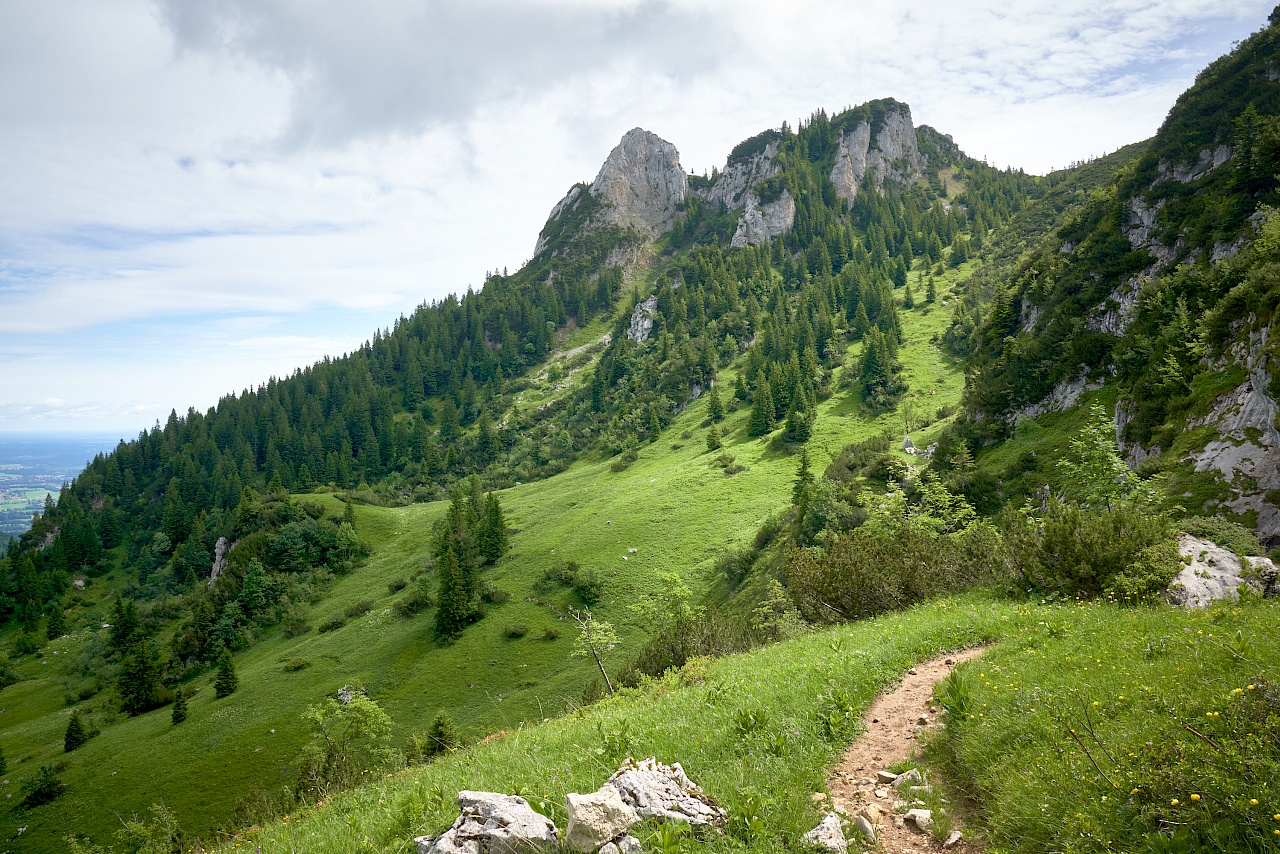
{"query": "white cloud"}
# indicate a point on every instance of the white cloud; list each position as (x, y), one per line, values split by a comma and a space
(200, 193)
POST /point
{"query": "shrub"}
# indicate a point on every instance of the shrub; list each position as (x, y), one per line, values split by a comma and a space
(550, 633)
(494, 596)
(357, 610)
(43, 786)
(397, 585)
(418, 599)
(869, 571)
(27, 643)
(295, 623)
(1072, 549)
(515, 631)
(624, 460)
(334, 623)
(293, 665)
(589, 586)
(1225, 533)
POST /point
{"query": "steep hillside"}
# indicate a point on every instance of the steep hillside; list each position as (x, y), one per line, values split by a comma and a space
(1163, 288)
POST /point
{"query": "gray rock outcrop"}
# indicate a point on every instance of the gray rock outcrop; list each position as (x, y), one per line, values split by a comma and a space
(828, 835)
(596, 819)
(664, 792)
(642, 320)
(220, 550)
(1214, 573)
(892, 155)
(760, 223)
(492, 823)
(641, 183)
(1246, 452)
(740, 177)
(1206, 161)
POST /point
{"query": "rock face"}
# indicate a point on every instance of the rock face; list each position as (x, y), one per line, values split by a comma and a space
(760, 224)
(1206, 161)
(491, 823)
(220, 550)
(1065, 395)
(740, 177)
(828, 835)
(642, 320)
(641, 183)
(664, 792)
(596, 819)
(1246, 453)
(892, 155)
(1215, 573)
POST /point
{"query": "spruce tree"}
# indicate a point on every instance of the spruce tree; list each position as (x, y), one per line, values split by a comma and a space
(56, 626)
(714, 407)
(762, 414)
(908, 299)
(76, 735)
(931, 290)
(804, 479)
(349, 512)
(138, 680)
(226, 682)
(492, 542)
(713, 439)
(180, 706)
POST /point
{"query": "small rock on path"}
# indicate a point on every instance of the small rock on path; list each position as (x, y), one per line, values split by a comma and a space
(892, 729)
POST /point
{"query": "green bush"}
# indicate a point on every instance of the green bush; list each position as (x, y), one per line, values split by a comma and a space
(1076, 550)
(357, 610)
(515, 631)
(43, 786)
(334, 623)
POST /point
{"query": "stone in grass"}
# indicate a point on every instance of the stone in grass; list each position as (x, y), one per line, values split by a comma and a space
(828, 835)
(664, 792)
(492, 823)
(922, 819)
(907, 778)
(596, 819)
(622, 845)
(953, 839)
(885, 776)
(865, 829)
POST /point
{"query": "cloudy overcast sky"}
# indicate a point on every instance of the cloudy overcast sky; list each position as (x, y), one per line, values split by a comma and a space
(196, 195)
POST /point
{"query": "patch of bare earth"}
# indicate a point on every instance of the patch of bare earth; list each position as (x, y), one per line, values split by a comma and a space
(894, 724)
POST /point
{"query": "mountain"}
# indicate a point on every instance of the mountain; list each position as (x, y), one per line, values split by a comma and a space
(1156, 290)
(682, 418)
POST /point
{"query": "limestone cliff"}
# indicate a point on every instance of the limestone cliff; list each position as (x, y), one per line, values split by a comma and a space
(891, 155)
(639, 188)
(641, 184)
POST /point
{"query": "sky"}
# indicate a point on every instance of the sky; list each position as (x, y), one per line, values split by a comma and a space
(198, 195)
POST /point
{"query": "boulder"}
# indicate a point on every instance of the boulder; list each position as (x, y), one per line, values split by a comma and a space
(865, 829)
(492, 823)
(596, 819)
(828, 835)
(664, 792)
(1213, 572)
(922, 819)
(622, 845)
(907, 778)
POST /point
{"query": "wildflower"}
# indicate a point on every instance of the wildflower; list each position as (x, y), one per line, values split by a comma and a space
(1195, 797)
(1253, 802)
(1173, 802)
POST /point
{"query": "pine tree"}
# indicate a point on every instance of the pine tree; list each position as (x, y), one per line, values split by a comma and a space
(138, 680)
(931, 290)
(804, 479)
(713, 439)
(714, 407)
(908, 299)
(740, 388)
(180, 707)
(442, 736)
(226, 682)
(56, 626)
(491, 541)
(124, 623)
(76, 735)
(349, 512)
(762, 413)
(799, 425)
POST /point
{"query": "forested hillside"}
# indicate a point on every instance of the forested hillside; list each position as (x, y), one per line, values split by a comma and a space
(687, 417)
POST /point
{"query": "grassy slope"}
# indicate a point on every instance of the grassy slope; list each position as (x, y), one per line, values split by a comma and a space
(672, 505)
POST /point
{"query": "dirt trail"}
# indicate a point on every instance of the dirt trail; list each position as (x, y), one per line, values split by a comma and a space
(893, 724)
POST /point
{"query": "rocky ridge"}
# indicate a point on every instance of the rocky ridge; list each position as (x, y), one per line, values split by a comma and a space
(891, 155)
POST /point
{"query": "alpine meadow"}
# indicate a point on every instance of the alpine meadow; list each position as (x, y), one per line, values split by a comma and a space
(730, 456)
